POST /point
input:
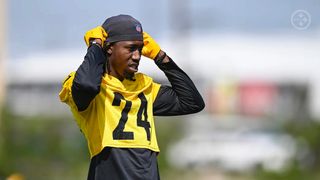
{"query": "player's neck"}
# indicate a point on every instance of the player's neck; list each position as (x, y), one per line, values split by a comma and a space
(111, 71)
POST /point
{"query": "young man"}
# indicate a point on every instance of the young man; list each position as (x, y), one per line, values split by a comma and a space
(114, 105)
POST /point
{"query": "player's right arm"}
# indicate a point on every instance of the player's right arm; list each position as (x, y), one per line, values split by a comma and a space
(86, 84)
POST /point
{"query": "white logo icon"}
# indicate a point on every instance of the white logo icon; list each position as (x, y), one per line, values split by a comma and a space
(300, 19)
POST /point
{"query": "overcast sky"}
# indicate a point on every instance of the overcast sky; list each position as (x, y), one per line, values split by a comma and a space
(37, 25)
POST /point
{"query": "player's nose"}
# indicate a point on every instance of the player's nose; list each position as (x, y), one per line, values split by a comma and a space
(136, 54)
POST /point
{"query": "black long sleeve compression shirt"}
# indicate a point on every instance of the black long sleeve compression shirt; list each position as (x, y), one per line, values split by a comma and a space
(182, 97)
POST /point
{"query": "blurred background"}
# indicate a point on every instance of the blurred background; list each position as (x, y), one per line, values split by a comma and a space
(255, 63)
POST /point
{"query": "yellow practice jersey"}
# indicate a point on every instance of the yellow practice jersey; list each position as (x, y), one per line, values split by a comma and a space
(121, 115)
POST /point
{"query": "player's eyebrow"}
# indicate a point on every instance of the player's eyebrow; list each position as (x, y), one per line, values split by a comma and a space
(134, 46)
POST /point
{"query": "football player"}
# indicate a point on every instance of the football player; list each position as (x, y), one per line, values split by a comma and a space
(114, 105)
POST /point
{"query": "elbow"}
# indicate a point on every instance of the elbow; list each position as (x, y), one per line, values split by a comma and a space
(200, 106)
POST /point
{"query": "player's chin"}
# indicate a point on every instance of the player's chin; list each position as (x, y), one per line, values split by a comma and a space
(129, 75)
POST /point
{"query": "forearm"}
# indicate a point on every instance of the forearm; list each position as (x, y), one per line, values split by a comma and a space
(86, 84)
(182, 97)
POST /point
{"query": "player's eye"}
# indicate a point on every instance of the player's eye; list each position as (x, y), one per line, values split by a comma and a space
(135, 48)
(132, 49)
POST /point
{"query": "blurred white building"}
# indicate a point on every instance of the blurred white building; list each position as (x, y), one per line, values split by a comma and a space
(212, 60)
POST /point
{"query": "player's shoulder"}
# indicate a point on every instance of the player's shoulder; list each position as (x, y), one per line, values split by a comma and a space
(69, 77)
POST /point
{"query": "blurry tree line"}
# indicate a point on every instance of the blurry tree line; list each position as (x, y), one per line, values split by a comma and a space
(41, 148)
(53, 148)
(306, 164)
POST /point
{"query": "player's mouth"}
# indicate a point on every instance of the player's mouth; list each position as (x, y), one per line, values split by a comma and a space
(133, 67)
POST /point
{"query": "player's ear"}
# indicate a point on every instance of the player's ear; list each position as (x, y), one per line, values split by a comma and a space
(109, 50)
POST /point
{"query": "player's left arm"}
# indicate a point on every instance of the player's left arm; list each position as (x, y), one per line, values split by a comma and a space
(182, 97)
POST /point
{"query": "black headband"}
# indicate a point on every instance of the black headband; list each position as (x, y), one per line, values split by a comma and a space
(122, 28)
